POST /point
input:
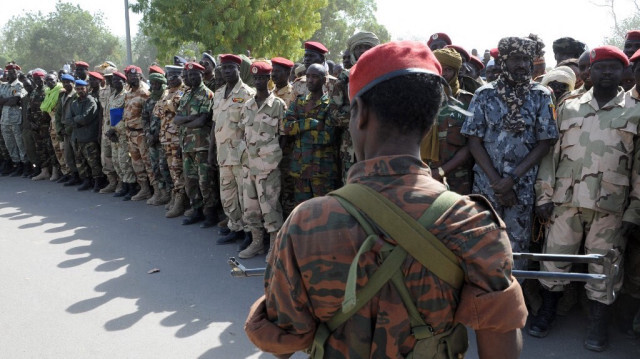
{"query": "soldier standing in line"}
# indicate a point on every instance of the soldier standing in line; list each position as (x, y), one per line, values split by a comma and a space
(151, 121)
(41, 124)
(53, 92)
(209, 77)
(28, 135)
(314, 53)
(10, 95)
(65, 129)
(106, 155)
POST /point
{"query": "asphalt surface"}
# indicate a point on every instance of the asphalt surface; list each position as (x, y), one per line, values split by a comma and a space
(75, 283)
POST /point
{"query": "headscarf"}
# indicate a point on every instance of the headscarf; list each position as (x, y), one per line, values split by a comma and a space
(451, 58)
(514, 91)
(563, 74)
(156, 95)
(361, 38)
(50, 98)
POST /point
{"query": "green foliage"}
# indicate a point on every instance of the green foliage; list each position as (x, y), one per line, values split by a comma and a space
(64, 35)
(621, 27)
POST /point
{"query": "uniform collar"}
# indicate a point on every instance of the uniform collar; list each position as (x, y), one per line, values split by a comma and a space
(387, 166)
(617, 101)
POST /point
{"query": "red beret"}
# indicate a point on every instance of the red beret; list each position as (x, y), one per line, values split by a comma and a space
(96, 75)
(82, 64)
(633, 35)
(281, 61)
(608, 52)
(465, 55)
(494, 53)
(261, 68)
(315, 46)
(194, 66)
(13, 67)
(155, 69)
(133, 69)
(230, 59)
(38, 73)
(476, 61)
(388, 61)
(441, 36)
(635, 57)
(120, 75)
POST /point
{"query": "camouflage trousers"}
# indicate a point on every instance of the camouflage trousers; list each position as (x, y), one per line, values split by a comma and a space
(29, 140)
(231, 195)
(120, 156)
(69, 154)
(305, 189)
(4, 153)
(88, 159)
(58, 150)
(261, 200)
(174, 160)
(566, 231)
(140, 156)
(106, 156)
(12, 135)
(347, 155)
(199, 180)
(631, 283)
(45, 156)
(159, 166)
(519, 222)
(287, 199)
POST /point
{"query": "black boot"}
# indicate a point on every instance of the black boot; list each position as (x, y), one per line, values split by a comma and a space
(196, 217)
(597, 332)
(86, 184)
(248, 238)
(541, 324)
(133, 189)
(626, 309)
(123, 192)
(8, 168)
(210, 218)
(17, 171)
(99, 184)
(28, 170)
(74, 180)
(230, 238)
(63, 179)
(36, 171)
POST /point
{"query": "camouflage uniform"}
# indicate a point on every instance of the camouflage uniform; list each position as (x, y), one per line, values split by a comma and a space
(261, 175)
(85, 118)
(299, 86)
(230, 146)
(57, 141)
(318, 242)
(133, 104)
(592, 177)
(28, 131)
(120, 148)
(199, 175)
(287, 199)
(340, 112)
(106, 155)
(11, 121)
(65, 129)
(170, 138)
(41, 123)
(157, 158)
(507, 149)
(314, 161)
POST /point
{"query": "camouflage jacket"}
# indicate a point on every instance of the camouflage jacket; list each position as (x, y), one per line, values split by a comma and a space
(306, 276)
(507, 149)
(34, 113)
(286, 94)
(299, 86)
(314, 153)
(194, 102)
(12, 115)
(211, 84)
(261, 126)
(166, 109)
(150, 121)
(226, 115)
(105, 94)
(133, 105)
(596, 162)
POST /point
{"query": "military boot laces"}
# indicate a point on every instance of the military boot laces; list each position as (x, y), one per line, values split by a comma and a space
(541, 324)
(597, 332)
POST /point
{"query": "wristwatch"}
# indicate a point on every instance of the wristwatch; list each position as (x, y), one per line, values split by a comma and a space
(440, 172)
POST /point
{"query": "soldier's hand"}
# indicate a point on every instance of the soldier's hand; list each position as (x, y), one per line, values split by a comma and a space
(507, 199)
(627, 228)
(544, 211)
(503, 186)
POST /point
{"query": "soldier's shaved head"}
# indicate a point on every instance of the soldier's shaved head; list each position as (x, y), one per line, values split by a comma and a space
(317, 69)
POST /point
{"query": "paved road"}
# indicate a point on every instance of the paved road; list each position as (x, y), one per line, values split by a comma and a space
(74, 283)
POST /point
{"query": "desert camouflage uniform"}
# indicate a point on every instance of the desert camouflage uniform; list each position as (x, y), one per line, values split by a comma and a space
(11, 121)
(593, 178)
(261, 175)
(299, 86)
(230, 146)
(199, 175)
(106, 156)
(306, 275)
(120, 148)
(132, 117)
(65, 129)
(314, 161)
(507, 149)
(170, 137)
(286, 190)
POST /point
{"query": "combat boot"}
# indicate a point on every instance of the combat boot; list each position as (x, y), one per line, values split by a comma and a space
(86, 184)
(195, 218)
(73, 181)
(178, 206)
(35, 171)
(131, 192)
(112, 185)
(64, 179)
(230, 238)
(99, 182)
(28, 170)
(172, 200)
(44, 174)
(224, 229)
(144, 193)
(165, 196)
(8, 168)
(256, 247)
(55, 174)
(272, 241)
(245, 242)
(119, 186)
(156, 194)
(541, 324)
(597, 332)
(17, 171)
(211, 218)
(123, 190)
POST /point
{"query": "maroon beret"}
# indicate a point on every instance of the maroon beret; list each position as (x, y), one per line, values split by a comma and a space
(120, 75)
(281, 61)
(194, 66)
(316, 47)
(608, 52)
(38, 73)
(156, 69)
(494, 53)
(132, 69)
(96, 75)
(441, 36)
(230, 59)
(261, 68)
(82, 64)
(633, 35)
(13, 67)
(476, 61)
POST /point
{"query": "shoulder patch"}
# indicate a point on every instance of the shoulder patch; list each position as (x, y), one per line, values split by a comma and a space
(238, 100)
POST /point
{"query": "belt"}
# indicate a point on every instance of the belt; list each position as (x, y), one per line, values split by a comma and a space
(134, 129)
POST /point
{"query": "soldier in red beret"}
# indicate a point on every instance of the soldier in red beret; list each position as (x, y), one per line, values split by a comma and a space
(631, 42)
(82, 70)
(438, 41)
(314, 53)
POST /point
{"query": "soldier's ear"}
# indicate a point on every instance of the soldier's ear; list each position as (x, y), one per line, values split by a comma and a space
(360, 113)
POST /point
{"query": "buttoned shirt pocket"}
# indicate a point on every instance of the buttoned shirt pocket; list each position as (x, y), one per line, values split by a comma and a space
(563, 190)
(614, 191)
(623, 134)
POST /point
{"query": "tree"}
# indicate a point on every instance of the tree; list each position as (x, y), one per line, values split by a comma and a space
(66, 34)
(267, 28)
(620, 27)
(342, 18)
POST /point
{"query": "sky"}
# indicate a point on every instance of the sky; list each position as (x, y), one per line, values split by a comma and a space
(471, 24)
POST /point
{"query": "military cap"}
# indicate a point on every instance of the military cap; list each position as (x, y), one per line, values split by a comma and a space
(316, 47)
(109, 71)
(82, 64)
(633, 35)
(441, 36)
(96, 75)
(206, 55)
(156, 69)
(476, 61)
(158, 77)
(230, 59)
(281, 61)
(608, 52)
(169, 69)
(194, 66)
(494, 52)
(67, 77)
(465, 55)
(261, 68)
(81, 82)
(132, 69)
(38, 73)
(177, 60)
(120, 75)
(12, 67)
(388, 61)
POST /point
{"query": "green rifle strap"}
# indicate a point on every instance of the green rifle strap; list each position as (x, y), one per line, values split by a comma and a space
(442, 203)
(409, 234)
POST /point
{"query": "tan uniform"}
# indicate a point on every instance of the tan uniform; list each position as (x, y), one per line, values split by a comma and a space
(132, 118)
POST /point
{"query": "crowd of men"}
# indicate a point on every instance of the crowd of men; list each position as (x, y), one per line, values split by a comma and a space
(554, 151)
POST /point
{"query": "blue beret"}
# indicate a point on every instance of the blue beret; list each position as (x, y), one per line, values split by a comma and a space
(81, 83)
(67, 77)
